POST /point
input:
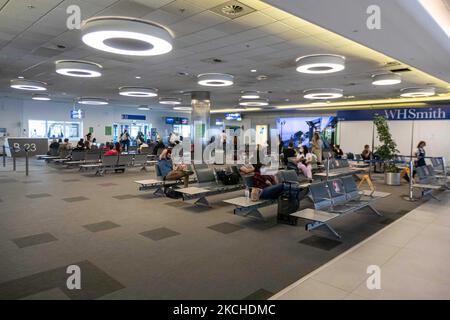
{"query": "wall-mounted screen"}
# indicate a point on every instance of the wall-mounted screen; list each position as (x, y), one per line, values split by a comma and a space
(170, 120)
(233, 116)
(301, 130)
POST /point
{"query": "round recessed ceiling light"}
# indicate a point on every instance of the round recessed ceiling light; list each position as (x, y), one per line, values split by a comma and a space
(41, 97)
(250, 95)
(253, 102)
(215, 79)
(169, 101)
(127, 36)
(138, 92)
(30, 85)
(253, 70)
(320, 63)
(417, 92)
(81, 69)
(386, 79)
(182, 108)
(93, 101)
(321, 94)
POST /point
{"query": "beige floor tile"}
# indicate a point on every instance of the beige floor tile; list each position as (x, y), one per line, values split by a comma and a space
(312, 289)
(373, 253)
(345, 274)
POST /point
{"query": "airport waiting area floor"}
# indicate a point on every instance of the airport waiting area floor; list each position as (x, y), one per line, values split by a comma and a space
(412, 253)
(130, 244)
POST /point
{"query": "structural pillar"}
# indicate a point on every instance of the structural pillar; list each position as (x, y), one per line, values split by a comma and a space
(200, 116)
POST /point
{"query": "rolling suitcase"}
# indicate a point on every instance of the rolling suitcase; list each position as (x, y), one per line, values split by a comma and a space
(288, 202)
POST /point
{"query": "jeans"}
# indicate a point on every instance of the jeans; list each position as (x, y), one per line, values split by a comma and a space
(272, 192)
(125, 145)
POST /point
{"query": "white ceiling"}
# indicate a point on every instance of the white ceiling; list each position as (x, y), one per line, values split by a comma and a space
(267, 39)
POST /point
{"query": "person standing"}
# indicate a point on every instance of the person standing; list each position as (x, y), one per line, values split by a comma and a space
(316, 146)
(125, 140)
(421, 154)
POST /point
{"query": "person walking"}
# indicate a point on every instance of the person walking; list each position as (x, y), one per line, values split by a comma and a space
(125, 140)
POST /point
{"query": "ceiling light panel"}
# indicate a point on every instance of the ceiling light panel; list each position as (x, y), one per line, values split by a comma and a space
(320, 94)
(417, 92)
(126, 36)
(138, 92)
(320, 63)
(170, 101)
(386, 79)
(215, 79)
(75, 68)
(29, 85)
(93, 101)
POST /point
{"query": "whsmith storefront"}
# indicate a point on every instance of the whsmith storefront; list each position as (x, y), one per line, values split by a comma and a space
(430, 124)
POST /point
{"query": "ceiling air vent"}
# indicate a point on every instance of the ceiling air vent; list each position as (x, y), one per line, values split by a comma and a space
(232, 9)
(400, 70)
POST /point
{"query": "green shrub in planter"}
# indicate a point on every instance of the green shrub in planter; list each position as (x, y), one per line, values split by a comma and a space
(388, 149)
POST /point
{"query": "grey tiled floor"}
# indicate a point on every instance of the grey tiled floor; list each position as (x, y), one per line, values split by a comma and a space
(198, 262)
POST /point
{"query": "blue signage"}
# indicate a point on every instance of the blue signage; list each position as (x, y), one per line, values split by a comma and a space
(423, 113)
(133, 117)
(76, 114)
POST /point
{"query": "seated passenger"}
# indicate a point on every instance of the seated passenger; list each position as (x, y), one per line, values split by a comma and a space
(270, 188)
(338, 153)
(114, 150)
(289, 152)
(94, 145)
(54, 147)
(305, 161)
(366, 154)
(80, 145)
(171, 172)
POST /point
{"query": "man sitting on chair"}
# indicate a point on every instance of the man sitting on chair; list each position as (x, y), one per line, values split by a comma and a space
(171, 172)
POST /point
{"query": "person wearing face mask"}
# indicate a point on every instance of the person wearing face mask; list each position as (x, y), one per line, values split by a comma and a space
(305, 160)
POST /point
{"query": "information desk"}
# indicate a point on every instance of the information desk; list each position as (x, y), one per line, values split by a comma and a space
(34, 145)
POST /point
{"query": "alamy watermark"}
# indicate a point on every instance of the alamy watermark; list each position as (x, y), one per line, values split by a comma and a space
(373, 21)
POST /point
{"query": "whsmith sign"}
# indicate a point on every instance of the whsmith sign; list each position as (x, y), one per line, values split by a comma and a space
(427, 113)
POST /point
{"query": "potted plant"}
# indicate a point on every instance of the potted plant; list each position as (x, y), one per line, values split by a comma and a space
(387, 151)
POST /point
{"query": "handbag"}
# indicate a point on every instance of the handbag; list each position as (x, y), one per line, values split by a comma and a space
(255, 194)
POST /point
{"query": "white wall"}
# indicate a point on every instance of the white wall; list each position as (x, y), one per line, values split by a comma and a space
(14, 116)
(353, 135)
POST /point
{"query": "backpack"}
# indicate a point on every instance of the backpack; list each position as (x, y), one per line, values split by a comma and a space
(171, 193)
(228, 178)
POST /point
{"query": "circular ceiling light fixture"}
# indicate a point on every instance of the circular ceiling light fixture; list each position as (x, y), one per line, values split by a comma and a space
(76, 68)
(182, 108)
(126, 36)
(93, 101)
(321, 94)
(138, 92)
(41, 97)
(417, 92)
(250, 95)
(215, 79)
(320, 63)
(172, 101)
(253, 102)
(386, 79)
(30, 85)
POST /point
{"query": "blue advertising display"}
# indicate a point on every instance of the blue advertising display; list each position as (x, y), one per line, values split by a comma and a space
(427, 113)
(133, 117)
(233, 116)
